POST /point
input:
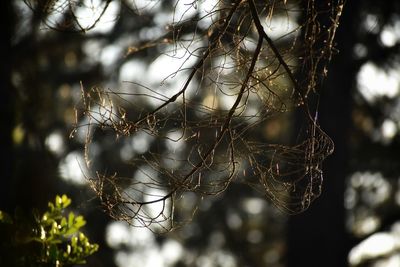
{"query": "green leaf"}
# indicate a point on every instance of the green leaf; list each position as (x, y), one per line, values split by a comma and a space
(55, 237)
(74, 241)
(71, 217)
(82, 237)
(58, 201)
(65, 201)
(51, 207)
(63, 222)
(45, 217)
(94, 248)
(79, 222)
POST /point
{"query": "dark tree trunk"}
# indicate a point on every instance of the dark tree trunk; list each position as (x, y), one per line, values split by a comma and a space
(6, 108)
(318, 236)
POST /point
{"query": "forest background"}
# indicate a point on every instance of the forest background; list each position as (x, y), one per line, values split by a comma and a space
(46, 65)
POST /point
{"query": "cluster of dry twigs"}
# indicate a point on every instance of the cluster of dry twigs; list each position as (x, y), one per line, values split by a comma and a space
(204, 135)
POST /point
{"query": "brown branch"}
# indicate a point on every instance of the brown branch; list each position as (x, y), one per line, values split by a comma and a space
(84, 30)
(261, 32)
(196, 67)
(224, 128)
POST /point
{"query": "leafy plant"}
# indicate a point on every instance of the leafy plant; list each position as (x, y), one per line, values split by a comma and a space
(51, 239)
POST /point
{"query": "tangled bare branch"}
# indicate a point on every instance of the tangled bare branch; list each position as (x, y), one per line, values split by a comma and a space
(199, 131)
(69, 15)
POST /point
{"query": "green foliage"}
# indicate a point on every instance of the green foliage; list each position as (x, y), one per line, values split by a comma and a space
(50, 239)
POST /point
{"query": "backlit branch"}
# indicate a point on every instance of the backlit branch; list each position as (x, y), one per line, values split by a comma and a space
(224, 116)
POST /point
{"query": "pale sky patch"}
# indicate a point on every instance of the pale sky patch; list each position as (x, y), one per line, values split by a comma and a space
(374, 82)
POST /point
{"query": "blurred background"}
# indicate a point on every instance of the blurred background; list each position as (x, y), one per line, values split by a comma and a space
(356, 220)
